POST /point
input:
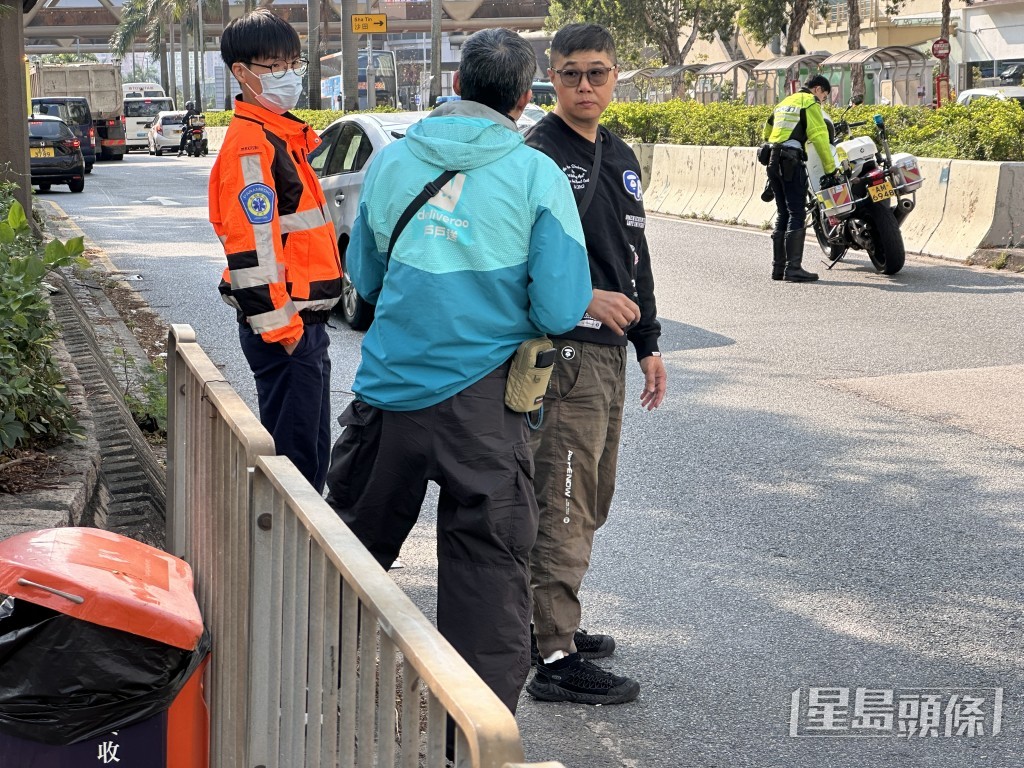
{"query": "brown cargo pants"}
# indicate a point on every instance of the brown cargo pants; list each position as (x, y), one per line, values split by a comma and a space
(575, 452)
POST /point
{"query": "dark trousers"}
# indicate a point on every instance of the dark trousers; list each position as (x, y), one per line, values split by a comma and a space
(477, 451)
(294, 393)
(788, 180)
(576, 451)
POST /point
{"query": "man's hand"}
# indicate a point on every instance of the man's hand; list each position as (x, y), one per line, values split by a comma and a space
(655, 382)
(614, 310)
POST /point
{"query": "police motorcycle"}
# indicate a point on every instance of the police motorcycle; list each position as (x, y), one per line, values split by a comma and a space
(195, 136)
(854, 208)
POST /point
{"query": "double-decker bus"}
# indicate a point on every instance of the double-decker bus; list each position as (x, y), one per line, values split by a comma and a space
(386, 76)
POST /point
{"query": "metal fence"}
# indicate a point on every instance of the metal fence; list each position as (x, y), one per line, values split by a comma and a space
(319, 660)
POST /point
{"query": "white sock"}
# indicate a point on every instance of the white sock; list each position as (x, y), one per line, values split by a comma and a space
(555, 657)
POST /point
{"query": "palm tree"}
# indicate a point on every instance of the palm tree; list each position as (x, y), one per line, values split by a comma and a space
(149, 19)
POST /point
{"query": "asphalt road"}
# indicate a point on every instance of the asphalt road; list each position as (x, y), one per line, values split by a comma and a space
(831, 498)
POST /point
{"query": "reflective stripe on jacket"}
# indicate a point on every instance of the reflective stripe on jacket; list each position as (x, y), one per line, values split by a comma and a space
(268, 210)
(799, 117)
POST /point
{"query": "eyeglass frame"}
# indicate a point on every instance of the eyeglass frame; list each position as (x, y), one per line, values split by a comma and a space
(581, 73)
(304, 62)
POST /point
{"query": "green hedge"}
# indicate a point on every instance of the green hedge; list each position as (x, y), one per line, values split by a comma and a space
(989, 129)
(34, 409)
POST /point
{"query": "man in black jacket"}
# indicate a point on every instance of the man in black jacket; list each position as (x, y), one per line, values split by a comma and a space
(576, 447)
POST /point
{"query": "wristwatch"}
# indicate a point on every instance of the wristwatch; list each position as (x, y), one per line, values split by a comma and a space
(655, 354)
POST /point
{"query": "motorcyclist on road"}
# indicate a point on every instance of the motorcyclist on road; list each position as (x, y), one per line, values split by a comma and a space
(796, 121)
(186, 129)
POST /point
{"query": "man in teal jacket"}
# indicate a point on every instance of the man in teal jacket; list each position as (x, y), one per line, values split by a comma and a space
(494, 258)
(796, 121)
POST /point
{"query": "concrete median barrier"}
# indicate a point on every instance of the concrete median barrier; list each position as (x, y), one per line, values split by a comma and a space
(683, 165)
(710, 181)
(920, 225)
(978, 211)
(964, 205)
(645, 156)
(215, 137)
(742, 180)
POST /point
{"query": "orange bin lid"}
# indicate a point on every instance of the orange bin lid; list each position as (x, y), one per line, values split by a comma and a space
(104, 578)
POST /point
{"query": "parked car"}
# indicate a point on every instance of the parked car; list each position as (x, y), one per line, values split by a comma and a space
(532, 114)
(55, 154)
(165, 132)
(544, 94)
(1003, 92)
(73, 110)
(349, 145)
(1012, 75)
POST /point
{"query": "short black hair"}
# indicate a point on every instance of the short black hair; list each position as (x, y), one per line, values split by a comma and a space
(497, 68)
(583, 37)
(818, 81)
(259, 35)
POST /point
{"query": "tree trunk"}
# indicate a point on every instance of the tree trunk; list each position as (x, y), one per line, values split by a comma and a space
(225, 19)
(197, 47)
(349, 57)
(796, 26)
(186, 87)
(14, 162)
(435, 50)
(162, 52)
(173, 61)
(853, 41)
(313, 52)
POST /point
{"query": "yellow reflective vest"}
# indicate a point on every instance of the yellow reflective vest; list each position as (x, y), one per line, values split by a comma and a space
(799, 118)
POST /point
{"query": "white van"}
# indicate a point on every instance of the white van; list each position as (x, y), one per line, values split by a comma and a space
(138, 114)
(143, 90)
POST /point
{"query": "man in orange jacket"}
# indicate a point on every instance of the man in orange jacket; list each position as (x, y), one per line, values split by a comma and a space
(283, 274)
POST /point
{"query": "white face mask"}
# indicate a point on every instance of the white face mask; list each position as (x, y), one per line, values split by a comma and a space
(280, 94)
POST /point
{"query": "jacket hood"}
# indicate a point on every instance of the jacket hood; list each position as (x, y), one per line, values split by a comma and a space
(462, 135)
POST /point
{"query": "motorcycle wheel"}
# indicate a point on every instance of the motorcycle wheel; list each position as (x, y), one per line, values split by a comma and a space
(832, 252)
(886, 251)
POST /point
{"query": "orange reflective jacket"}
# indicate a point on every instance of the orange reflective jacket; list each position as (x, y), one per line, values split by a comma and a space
(268, 210)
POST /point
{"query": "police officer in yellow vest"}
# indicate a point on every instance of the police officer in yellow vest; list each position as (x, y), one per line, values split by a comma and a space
(797, 120)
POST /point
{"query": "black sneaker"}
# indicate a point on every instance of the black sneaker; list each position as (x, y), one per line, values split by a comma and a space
(580, 681)
(588, 646)
(593, 646)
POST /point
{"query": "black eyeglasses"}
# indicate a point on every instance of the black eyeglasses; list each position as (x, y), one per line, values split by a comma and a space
(595, 76)
(280, 68)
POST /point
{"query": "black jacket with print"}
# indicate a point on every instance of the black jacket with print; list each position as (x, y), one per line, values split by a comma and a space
(614, 227)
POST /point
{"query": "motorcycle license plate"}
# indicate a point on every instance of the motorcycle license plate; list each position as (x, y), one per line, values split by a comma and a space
(881, 191)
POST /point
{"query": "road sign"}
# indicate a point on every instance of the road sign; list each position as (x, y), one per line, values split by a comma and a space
(940, 48)
(369, 23)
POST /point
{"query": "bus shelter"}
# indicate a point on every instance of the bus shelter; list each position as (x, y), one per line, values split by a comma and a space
(634, 84)
(670, 81)
(775, 79)
(893, 74)
(725, 81)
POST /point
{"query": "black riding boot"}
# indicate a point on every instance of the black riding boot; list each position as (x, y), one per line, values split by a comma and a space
(794, 255)
(778, 255)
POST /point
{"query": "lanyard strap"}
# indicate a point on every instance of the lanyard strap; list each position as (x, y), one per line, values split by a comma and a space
(588, 196)
(428, 191)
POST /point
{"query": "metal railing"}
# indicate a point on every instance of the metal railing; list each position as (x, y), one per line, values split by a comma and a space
(319, 659)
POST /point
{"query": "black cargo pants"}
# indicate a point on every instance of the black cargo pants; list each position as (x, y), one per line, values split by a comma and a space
(477, 451)
(787, 177)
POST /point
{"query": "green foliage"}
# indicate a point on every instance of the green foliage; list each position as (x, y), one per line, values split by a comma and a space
(988, 129)
(34, 409)
(318, 119)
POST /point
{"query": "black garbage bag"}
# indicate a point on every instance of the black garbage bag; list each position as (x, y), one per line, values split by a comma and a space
(63, 680)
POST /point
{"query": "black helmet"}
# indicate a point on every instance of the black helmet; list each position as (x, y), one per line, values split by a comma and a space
(190, 105)
(818, 81)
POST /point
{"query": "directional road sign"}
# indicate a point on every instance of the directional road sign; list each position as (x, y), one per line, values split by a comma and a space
(372, 23)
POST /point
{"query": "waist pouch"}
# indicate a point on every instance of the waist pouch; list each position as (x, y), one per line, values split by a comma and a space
(764, 154)
(527, 383)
